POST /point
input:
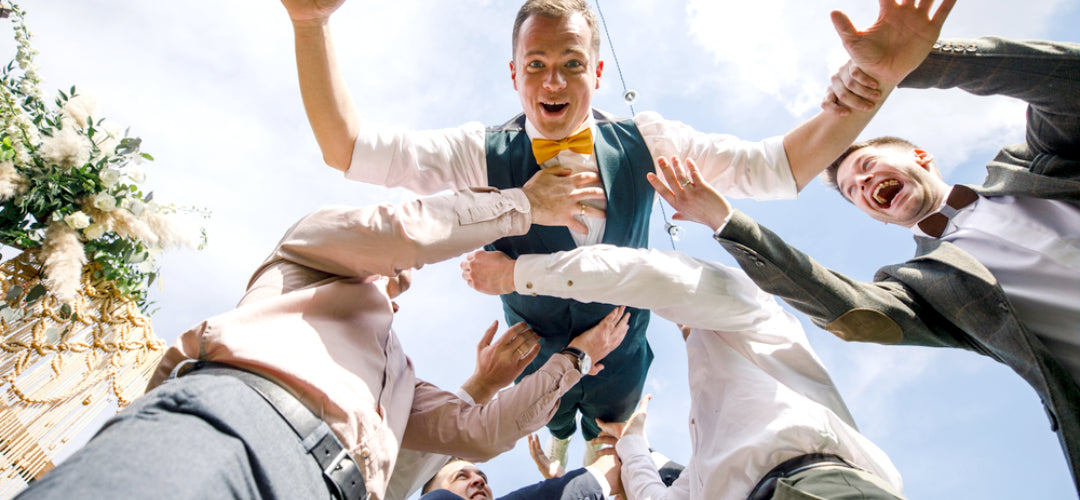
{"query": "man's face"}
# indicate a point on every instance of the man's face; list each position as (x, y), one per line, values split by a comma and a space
(464, 480)
(555, 73)
(892, 184)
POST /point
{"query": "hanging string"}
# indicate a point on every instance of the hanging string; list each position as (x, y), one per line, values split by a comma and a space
(629, 96)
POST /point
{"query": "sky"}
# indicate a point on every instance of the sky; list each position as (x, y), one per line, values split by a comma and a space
(212, 91)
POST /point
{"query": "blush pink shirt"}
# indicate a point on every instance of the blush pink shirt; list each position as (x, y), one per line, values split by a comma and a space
(315, 320)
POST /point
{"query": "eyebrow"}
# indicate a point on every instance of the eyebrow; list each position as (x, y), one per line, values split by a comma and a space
(570, 51)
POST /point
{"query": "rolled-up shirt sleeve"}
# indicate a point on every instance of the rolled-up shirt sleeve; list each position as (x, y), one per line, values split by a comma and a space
(424, 162)
(735, 167)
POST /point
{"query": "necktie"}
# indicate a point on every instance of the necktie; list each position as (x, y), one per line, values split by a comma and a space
(959, 197)
(580, 142)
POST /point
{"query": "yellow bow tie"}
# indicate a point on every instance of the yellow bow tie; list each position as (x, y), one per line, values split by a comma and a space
(580, 142)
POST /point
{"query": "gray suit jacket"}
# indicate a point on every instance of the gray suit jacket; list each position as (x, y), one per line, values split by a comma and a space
(944, 297)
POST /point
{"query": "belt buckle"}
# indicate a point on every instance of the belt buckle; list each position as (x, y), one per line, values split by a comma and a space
(341, 472)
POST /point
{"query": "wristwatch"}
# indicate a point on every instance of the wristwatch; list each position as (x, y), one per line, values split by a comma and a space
(582, 360)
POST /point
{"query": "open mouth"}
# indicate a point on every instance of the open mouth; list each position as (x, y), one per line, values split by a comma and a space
(886, 191)
(554, 107)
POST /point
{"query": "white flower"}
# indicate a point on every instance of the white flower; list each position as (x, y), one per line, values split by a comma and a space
(110, 139)
(80, 109)
(66, 148)
(136, 207)
(136, 174)
(78, 220)
(94, 232)
(104, 202)
(109, 176)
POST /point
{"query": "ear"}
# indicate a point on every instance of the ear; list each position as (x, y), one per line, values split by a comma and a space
(513, 74)
(924, 158)
(599, 73)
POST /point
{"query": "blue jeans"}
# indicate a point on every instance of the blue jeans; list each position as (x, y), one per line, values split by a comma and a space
(195, 437)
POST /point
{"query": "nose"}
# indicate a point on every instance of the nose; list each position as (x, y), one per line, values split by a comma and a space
(554, 79)
(863, 180)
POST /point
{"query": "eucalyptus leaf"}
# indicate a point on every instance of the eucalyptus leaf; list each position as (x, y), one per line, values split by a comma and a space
(13, 293)
(36, 293)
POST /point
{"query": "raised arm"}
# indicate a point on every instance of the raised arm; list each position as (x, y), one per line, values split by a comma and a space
(1046, 75)
(673, 285)
(441, 422)
(386, 239)
(329, 106)
(888, 50)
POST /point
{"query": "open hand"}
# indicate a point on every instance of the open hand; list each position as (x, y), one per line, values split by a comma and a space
(687, 192)
(603, 338)
(548, 467)
(897, 42)
(499, 363)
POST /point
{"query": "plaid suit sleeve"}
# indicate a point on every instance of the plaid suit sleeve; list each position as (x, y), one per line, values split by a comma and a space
(1046, 75)
(885, 311)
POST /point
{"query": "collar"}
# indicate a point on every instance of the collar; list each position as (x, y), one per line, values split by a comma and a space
(533, 133)
(939, 222)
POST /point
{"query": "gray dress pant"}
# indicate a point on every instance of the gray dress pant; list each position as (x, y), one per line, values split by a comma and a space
(200, 436)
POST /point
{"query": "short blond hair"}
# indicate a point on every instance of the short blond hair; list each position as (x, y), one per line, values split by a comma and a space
(556, 9)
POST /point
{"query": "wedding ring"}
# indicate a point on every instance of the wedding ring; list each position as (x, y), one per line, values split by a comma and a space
(688, 183)
(582, 209)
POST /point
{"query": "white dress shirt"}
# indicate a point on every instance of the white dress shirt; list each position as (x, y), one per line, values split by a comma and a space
(1032, 247)
(430, 161)
(759, 393)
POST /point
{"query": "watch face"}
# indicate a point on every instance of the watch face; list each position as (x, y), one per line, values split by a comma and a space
(586, 363)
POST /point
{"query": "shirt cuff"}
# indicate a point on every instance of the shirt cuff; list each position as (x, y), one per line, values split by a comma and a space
(529, 271)
(632, 445)
(716, 234)
(465, 396)
(784, 187)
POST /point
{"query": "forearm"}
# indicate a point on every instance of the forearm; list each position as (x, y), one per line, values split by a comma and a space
(443, 423)
(386, 239)
(891, 310)
(678, 287)
(639, 476)
(329, 106)
(817, 142)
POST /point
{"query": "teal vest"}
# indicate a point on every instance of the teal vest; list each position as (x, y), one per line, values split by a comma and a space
(623, 160)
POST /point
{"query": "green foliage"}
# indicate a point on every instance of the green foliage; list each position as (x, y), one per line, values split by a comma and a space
(61, 164)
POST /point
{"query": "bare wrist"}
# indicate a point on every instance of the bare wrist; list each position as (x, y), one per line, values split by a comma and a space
(479, 391)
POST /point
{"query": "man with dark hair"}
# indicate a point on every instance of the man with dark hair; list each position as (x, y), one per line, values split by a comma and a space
(556, 68)
(997, 269)
(461, 479)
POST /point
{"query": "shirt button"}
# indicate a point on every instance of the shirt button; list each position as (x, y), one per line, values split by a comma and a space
(528, 285)
(570, 283)
(365, 454)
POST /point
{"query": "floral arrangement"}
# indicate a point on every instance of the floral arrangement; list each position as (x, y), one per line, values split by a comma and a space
(69, 188)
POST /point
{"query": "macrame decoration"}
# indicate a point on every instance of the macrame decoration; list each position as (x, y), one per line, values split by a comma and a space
(62, 364)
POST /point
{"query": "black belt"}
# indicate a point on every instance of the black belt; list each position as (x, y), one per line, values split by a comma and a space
(340, 471)
(767, 486)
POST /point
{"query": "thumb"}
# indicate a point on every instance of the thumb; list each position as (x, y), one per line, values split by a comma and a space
(843, 26)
